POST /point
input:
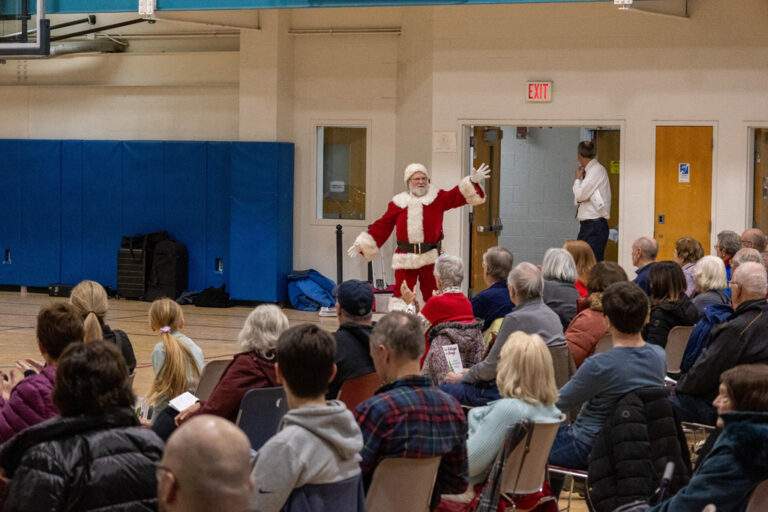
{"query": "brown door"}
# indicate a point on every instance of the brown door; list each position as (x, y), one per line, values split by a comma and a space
(486, 224)
(607, 143)
(760, 219)
(683, 186)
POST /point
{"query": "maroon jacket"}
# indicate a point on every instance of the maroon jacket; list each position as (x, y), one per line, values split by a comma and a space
(247, 370)
(30, 403)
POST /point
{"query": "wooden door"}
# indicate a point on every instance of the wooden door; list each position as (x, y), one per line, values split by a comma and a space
(760, 219)
(485, 223)
(608, 154)
(683, 186)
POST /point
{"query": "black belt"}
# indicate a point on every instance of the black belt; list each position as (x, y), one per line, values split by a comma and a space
(417, 248)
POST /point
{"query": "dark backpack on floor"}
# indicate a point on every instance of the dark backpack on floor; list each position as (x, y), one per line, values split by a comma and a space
(213, 297)
(168, 277)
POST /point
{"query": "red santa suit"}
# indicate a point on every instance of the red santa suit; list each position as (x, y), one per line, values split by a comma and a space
(416, 220)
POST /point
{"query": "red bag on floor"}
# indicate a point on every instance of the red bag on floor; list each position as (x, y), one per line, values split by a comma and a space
(542, 501)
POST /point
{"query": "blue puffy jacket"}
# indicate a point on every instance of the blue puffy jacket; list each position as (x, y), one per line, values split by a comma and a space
(714, 314)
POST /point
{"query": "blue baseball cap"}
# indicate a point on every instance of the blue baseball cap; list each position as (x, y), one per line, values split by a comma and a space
(355, 297)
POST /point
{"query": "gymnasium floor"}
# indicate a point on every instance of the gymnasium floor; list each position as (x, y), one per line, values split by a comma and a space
(215, 330)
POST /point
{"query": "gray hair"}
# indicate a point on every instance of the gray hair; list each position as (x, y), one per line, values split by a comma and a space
(752, 278)
(648, 247)
(729, 242)
(498, 261)
(261, 330)
(558, 264)
(525, 279)
(746, 255)
(709, 273)
(450, 270)
(401, 333)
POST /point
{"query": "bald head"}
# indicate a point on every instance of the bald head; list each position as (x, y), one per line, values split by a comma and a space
(753, 238)
(644, 251)
(748, 283)
(205, 467)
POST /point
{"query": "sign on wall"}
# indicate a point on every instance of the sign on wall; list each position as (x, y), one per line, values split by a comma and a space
(683, 173)
(539, 92)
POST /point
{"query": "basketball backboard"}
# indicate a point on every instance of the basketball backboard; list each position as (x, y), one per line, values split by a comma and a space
(24, 29)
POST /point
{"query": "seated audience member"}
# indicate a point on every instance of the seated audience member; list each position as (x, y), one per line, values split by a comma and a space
(743, 339)
(670, 306)
(687, 252)
(477, 385)
(494, 302)
(644, 251)
(738, 462)
(252, 368)
(29, 401)
(354, 309)
(587, 327)
(96, 455)
(409, 417)
(605, 377)
(753, 238)
(584, 259)
(176, 359)
(728, 244)
(91, 301)
(559, 272)
(206, 467)
(450, 305)
(315, 455)
(744, 255)
(526, 382)
(710, 283)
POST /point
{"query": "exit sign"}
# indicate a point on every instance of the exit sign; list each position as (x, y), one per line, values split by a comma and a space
(539, 92)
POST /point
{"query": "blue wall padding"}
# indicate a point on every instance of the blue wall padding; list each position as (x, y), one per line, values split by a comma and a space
(67, 204)
(218, 184)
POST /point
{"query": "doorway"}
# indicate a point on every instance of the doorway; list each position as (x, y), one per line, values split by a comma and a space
(760, 209)
(683, 195)
(530, 199)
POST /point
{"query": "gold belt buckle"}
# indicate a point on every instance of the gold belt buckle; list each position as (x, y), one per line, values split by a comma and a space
(417, 249)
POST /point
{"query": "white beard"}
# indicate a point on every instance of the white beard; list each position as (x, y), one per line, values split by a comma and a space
(419, 191)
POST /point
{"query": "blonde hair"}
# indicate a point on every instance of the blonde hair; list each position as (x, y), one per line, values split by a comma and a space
(583, 257)
(526, 370)
(90, 300)
(165, 317)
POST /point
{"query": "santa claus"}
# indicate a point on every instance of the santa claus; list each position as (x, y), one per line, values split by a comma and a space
(417, 217)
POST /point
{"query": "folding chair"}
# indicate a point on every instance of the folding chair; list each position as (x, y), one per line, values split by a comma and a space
(357, 390)
(605, 344)
(525, 468)
(580, 474)
(402, 484)
(210, 376)
(758, 502)
(260, 413)
(677, 339)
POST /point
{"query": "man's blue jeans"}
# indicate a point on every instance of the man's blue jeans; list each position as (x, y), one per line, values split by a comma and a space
(472, 394)
(568, 451)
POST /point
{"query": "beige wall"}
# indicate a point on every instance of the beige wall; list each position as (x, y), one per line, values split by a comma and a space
(450, 66)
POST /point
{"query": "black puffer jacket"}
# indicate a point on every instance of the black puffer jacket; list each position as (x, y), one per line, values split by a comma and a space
(629, 456)
(665, 316)
(82, 464)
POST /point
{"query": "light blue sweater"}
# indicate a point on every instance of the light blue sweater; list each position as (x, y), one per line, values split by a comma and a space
(488, 426)
(158, 358)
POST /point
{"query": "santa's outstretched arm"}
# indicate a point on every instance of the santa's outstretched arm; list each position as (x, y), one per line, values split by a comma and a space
(368, 242)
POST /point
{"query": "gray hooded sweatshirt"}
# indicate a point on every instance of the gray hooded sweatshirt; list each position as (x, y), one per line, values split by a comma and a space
(314, 445)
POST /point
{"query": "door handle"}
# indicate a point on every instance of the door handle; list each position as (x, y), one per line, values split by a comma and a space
(496, 226)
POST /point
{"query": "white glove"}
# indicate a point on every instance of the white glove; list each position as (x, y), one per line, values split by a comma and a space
(480, 174)
(354, 251)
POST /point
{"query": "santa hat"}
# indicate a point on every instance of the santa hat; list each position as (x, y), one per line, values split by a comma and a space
(413, 169)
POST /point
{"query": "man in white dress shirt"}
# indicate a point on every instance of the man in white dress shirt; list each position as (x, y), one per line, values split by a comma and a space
(592, 196)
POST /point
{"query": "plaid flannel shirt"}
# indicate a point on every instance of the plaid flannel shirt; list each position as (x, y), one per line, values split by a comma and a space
(411, 418)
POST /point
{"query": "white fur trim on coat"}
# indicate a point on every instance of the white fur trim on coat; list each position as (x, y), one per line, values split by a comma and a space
(396, 304)
(367, 245)
(412, 261)
(404, 198)
(467, 189)
(415, 219)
